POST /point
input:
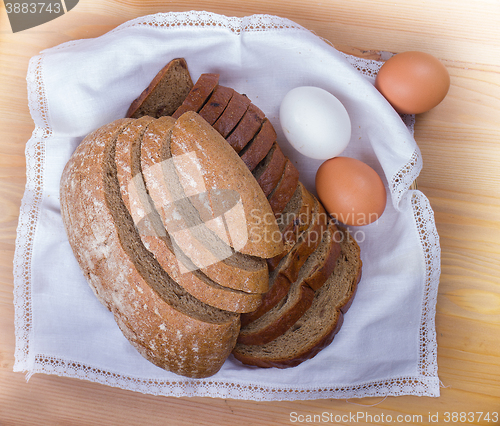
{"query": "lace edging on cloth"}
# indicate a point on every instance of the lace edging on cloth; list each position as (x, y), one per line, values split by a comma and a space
(30, 208)
(425, 384)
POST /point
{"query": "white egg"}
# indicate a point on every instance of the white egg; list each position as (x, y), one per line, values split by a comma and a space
(315, 122)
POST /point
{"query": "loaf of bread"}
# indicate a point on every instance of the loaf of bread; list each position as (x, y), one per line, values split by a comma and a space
(167, 325)
(176, 316)
(155, 237)
(192, 134)
(313, 278)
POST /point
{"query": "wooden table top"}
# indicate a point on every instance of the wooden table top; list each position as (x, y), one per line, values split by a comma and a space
(460, 145)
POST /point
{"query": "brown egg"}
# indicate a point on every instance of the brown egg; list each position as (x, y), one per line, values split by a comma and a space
(351, 191)
(413, 82)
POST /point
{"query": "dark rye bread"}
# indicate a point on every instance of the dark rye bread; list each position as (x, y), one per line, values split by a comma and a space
(294, 220)
(237, 271)
(232, 115)
(269, 171)
(285, 188)
(289, 309)
(199, 94)
(167, 325)
(318, 326)
(258, 148)
(153, 235)
(246, 128)
(287, 270)
(165, 93)
(216, 104)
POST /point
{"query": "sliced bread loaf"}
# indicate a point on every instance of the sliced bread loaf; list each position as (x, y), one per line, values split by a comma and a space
(199, 94)
(165, 93)
(191, 238)
(285, 188)
(255, 151)
(287, 270)
(167, 325)
(316, 328)
(153, 235)
(246, 128)
(216, 104)
(223, 169)
(232, 115)
(290, 308)
(293, 220)
(269, 171)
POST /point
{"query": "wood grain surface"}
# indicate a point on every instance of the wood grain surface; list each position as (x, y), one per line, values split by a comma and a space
(460, 145)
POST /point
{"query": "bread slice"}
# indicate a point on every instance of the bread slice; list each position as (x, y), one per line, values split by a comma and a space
(255, 151)
(223, 169)
(320, 323)
(153, 235)
(287, 311)
(232, 115)
(285, 188)
(287, 270)
(216, 104)
(167, 325)
(294, 220)
(199, 94)
(165, 93)
(239, 272)
(246, 129)
(269, 171)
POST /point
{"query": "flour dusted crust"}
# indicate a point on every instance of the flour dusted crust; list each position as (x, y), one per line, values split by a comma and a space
(238, 272)
(153, 235)
(193, 134)
(166, 325)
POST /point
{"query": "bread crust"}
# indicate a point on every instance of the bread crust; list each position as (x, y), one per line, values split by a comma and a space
(332, 319)
(282, 322)
(199, 94)
(258, 148)
(153, 102)
(232, 115)
(285, 188)
(162, 332)
(193, 134)
(216, 104)
(246, 129)
(270, 175)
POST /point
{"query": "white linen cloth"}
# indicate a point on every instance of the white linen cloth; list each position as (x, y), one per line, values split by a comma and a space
(387, 345)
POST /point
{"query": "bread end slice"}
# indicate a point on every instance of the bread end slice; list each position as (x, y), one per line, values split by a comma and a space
(165, 93)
